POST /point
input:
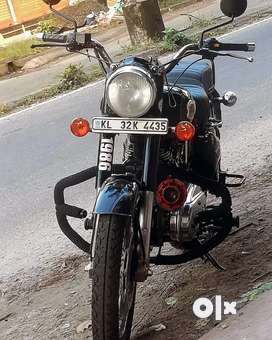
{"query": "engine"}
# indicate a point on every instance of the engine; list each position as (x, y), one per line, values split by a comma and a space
(183, 222)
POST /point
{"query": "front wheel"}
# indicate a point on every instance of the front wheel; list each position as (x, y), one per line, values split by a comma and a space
(113, 285)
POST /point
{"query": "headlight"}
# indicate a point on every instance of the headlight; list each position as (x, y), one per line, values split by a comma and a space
(130, 91)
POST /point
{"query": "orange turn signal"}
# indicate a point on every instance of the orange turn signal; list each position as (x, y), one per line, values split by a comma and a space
(185, 131)
(80, 127)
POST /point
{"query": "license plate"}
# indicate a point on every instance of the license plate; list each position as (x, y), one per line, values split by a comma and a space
(139, 126)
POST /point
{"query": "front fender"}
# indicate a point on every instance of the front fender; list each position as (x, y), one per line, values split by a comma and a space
(118, 196)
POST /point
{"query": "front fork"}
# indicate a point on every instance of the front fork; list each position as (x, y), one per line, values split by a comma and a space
(148, 187)
(150, 174)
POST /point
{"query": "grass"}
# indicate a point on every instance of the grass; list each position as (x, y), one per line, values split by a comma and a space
(168, 3)
(17, 50)
(22, 49)
(4, 109)
(172, 41)
(256, 291)
(72, 78)
(203, 23)
(75, 77)
(46, 26)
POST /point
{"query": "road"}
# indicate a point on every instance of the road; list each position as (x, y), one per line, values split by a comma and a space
(26, 84)
(36, 149)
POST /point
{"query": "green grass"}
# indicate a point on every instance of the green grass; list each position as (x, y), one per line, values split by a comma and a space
(22, 49)
(168, 3)
(72, 78)
(171, 41)
(18, 50)
(254, 293)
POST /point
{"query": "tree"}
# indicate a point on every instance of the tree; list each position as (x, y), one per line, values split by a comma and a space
(103, 3)
(144, 20)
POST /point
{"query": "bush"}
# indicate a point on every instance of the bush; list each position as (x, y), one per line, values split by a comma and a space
(4, 109)
(173, 39)
(73, 77)
(46, 26)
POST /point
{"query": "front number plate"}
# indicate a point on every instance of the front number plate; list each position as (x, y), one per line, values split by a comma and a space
(139, 126)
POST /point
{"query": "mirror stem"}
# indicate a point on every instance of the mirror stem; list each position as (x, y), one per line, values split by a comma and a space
(214, 28)
(66, 17)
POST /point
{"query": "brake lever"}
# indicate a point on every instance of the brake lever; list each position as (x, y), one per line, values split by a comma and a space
(249, 59)
(206, 53)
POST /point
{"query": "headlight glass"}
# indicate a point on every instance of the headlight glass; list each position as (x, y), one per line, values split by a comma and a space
(130, 92)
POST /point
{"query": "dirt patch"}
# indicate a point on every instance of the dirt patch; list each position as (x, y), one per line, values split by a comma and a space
(78, 12)
(246, 255)
(54, 305)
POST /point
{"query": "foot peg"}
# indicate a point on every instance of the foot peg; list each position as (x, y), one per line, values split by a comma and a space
(237, 180)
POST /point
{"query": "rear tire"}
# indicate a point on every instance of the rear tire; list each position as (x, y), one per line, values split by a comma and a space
(111, 234)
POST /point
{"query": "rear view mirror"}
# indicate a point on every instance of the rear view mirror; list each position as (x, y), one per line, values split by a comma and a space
(51, 2)
(233, 8)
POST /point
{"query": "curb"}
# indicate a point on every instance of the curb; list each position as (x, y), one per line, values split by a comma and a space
(11, 66)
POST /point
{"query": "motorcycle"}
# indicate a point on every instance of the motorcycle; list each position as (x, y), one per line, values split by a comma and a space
(158, 196)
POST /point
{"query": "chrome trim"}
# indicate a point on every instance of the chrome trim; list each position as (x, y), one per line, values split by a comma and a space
(195, 202)
(182, 222)
(191, 110)
(229, 98)
(186, 152)
(145, 220)
(251, 47)
(146, 159)
(181, 53)
(135, 70)
(128, 131)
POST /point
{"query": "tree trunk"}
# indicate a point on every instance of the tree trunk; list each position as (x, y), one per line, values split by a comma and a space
(103, 3)
(144, 20)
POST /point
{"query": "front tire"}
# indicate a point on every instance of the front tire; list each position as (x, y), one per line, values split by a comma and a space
(112, 311)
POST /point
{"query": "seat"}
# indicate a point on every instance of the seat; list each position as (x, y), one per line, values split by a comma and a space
(198, 81)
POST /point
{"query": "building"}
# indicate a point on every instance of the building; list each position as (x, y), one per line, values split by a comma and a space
(15, 12)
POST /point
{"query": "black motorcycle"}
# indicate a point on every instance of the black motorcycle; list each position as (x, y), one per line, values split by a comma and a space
(157, 196)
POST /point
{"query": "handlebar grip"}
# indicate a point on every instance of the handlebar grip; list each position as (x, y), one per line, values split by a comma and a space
(55, 38)
(214, 44)
(249, 47)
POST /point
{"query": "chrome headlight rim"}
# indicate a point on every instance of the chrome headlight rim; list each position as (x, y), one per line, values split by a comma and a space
(132, 69)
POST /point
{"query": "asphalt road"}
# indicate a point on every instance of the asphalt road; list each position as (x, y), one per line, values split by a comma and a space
(36, 149)
(28, 83)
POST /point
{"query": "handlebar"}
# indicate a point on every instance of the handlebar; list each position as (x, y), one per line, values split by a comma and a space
(78, 41)
(55, 38)
(73, 41)
(216, 45)
(185, 50)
